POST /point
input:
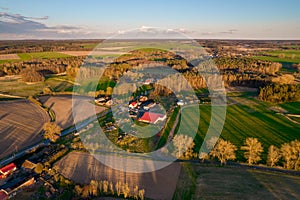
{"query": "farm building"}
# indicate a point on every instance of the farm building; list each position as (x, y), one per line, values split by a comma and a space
(3, 195)
(8, 169)
(148, 104)
(28, 165)
(180, 103)
(150, 117)
(133, 105)
(11, 189)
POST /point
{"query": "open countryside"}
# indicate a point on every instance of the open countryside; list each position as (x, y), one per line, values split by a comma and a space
(149, 100)
(21, 124)
(273, 123)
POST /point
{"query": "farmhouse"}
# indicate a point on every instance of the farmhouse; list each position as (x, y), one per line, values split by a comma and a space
(150, 117)
(8, 169)
(133, 105)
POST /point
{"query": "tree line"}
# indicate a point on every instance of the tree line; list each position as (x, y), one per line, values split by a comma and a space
(108, 188)
(288, 155)
(278, 93)
(42, 66)
(29, 46)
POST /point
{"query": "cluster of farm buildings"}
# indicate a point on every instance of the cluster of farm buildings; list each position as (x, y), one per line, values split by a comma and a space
(8, 190)
(139, 109)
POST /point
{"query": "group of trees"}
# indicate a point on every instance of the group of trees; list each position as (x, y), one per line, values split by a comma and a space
(279, 93)
(31, 75)
(288, 154)
(51, 131)
(247, 65)
(27, 46)
(40, 67)
(96, 188)
(184, 146)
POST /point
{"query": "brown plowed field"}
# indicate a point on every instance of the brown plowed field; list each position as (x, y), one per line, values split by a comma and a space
(20, 124)
(62, 107)
(83, 167)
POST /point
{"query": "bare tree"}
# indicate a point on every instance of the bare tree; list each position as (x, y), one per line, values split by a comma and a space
(287, 155)
(78, 190)
(111, 188)
(125, 190)
(273, 155)
(118, 188)
(142, 194)
(51, 131)
(224, 150)
(253, 149)
(183, 146)
(203, 156)
(94, 187)
(136, 192)
(105, 186)
(296, 150)
(291, 154)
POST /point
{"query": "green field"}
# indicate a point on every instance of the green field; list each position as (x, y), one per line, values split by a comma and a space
(42, 55)
(19, 88)
(210, 182)
(37, 55)
(291, 107)
(248, 118)
(285, 56)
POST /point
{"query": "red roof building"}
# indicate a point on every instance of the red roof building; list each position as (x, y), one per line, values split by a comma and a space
(150, 117)
(8, 169)
(3, 195)
(133, 105)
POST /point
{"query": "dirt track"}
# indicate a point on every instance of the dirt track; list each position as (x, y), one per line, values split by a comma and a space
(9, 57)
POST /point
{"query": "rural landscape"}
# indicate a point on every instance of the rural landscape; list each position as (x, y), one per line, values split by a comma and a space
(92, 107)
(259, 138)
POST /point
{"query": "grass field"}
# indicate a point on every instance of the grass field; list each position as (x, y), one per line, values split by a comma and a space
(42, 55)
(16, 86)
(243, 183)
(20, 124)
(248, 118)
(35, 55)
(287, 56)
(291, 107)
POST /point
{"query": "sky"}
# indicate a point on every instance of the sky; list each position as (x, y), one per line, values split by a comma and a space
(210, 19)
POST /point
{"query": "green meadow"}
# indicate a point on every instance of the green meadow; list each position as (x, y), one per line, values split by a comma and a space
(285, 56)
(19, 88)
(248, 118)
(42, 55)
